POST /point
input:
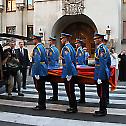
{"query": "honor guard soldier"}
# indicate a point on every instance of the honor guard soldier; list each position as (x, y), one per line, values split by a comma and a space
(69, 71)
(102, 73)
(39, 71)
(80, 56)
(87, 55)
(53, 63)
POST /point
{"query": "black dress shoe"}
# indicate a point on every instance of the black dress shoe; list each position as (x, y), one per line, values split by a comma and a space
(80, 101)
(107, 102)
(100, 113)
(53, 99)
(39, 108)
(20, 94)
(24, 87)
(9, 95)
(71, 110)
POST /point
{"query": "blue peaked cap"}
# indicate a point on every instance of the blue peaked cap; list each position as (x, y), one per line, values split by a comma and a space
(98, 34)
(65, 35)
(52, 38)
(37, 35)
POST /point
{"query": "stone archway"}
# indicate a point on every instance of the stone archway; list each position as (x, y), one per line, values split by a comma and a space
(80, 26)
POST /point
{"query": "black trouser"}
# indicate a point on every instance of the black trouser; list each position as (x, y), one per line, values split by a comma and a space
(86, 62)
(40, 86)
(24, 75)
(103, 91)
(55, 90)
(108, 92)
(82, 92)
(29, 72)
(70, 90)
(14, 88)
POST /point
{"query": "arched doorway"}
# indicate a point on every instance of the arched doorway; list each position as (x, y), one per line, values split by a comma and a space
(80, 26)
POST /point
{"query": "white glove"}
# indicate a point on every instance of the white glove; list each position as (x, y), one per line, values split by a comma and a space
(68, 77)
(99, 81)
(28, 67)
(37, 77)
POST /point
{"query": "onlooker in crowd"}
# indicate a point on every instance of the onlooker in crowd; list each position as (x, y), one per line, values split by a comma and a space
(122, 66)
(24, 61)
(39, 71)
(87, 55)
(12, 66)
(1, 50)
(30, 66)
(53, 63)
(1, 59)
(14, 53)
(114, 59)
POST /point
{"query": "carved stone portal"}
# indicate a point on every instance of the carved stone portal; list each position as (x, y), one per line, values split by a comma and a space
(73, 7)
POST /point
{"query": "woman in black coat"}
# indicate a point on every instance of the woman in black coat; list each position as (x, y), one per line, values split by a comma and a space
(122, 66)
(1, 51)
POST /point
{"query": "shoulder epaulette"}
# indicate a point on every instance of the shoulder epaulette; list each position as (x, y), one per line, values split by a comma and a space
(39, 50)
(52, 49)
(67, 48)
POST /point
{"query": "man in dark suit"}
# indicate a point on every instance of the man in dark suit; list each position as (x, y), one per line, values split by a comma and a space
(24, 61)
(1, 57)
(13, 74)
(1, 49)
(13, 53)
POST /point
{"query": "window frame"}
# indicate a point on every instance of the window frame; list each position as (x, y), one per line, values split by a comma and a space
(32, 5)
(11, 6)
(11, 29)
(124, 30)
(124, 1)
(28, 26)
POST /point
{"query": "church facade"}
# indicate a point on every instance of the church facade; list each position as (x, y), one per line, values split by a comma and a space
(81, 18)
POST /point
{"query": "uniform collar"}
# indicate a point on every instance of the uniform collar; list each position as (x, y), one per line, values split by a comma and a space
(52, 45)
(100, 45)
(80, 47)
(67, 43)
(37, 44)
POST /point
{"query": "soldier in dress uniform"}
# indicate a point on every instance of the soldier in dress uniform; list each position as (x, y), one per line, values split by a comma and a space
(53, 63)
(69, 71)
(80, 56)
(102, 73)
(87, 55)
(39, 71)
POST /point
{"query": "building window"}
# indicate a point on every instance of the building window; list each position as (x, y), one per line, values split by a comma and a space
(10, 5)
(11, 29)
(124, 29)
(124, 1)
(29, 31)
(30, 4)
